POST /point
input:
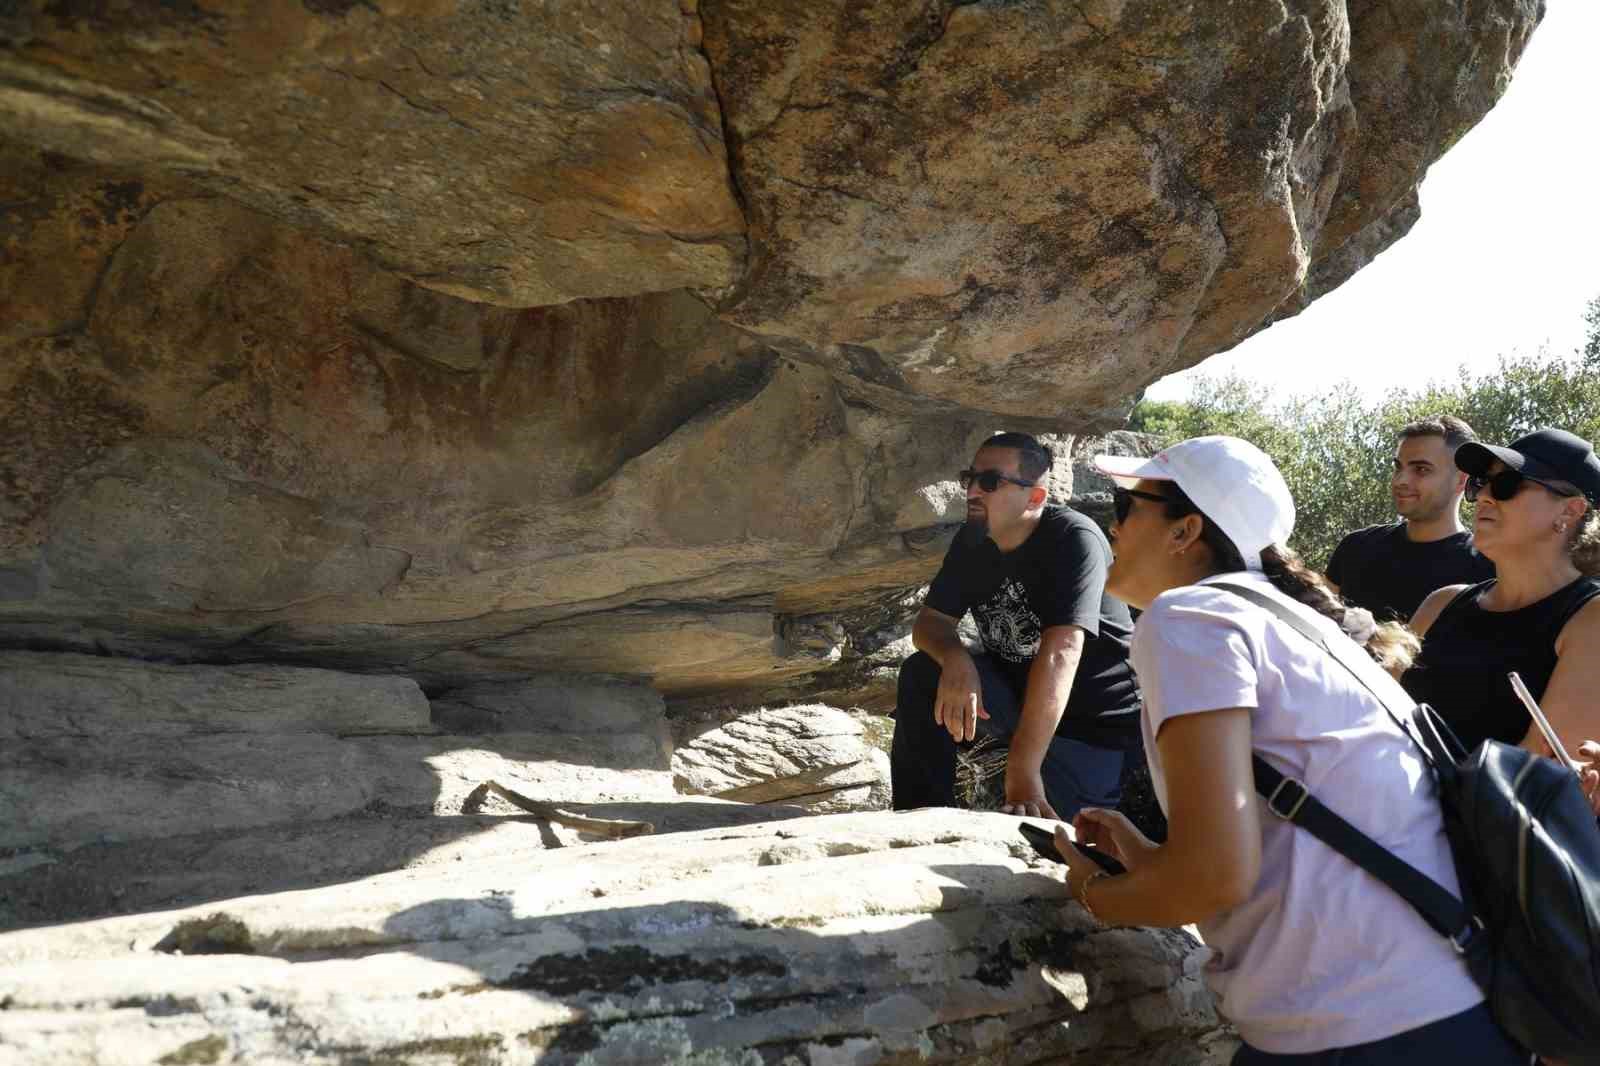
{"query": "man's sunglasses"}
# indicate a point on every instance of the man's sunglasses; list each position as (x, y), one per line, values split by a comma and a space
(1122, 500)
(989, 480)
(1506, 484)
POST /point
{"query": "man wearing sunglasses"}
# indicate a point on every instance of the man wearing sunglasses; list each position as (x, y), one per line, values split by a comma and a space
(1053, 681)
(1390, 569)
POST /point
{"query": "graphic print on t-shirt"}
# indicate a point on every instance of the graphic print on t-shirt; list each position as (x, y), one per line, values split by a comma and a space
(1007, 624)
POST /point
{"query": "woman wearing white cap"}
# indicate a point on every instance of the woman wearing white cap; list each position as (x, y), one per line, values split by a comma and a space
(1312, 957)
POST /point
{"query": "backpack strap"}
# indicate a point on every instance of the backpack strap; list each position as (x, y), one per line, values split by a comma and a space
(1295, 622)
(1290, 800)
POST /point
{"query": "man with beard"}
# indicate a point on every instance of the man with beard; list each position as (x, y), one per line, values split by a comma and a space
(1390, 569)
(1053, 681)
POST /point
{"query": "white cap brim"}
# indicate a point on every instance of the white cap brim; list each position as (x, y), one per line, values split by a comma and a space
(1126, 471)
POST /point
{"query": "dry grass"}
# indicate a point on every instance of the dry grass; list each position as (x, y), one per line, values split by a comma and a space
(980, 774)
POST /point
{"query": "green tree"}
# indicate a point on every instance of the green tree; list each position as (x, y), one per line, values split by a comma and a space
(1336, 449)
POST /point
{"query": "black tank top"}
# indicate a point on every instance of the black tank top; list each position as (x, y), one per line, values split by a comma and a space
(1468, 652)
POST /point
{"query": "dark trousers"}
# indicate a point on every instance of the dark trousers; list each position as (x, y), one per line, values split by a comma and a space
(1470, 1038)
(922, 759)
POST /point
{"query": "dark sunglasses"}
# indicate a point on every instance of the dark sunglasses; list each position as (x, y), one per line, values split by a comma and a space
(1506, 484)
(989, 480)
(1122, 500)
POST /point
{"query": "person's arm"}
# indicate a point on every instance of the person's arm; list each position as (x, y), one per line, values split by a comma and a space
(1212, 857)
(1049, 684)
(1067, 598)
(1428, 611)
(959, 703)
(1569, 700)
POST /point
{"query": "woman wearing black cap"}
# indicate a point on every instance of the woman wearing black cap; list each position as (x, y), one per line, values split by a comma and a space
(1540, 615)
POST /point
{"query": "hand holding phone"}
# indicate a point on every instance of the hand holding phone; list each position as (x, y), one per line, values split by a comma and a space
(1044, 842)
(1543, 723)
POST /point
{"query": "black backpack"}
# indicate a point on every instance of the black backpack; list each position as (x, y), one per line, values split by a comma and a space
(1527, 852)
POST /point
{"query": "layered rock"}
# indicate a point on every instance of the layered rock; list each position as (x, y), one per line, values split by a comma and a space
(125, 785)
(818, 757)
(870, 938)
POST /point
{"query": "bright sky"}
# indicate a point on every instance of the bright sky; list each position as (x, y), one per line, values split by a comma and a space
(1504, 258)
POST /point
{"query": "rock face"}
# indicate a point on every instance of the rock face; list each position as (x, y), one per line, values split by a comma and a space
(997, 203)
(512, 154)
(474, 342)
(870, 938)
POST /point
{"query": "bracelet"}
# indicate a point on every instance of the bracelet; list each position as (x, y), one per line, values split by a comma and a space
(1083, 894)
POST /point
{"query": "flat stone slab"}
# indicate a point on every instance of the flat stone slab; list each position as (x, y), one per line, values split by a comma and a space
(926, 936)
(59, 695)
(93, 881)
(65, 791)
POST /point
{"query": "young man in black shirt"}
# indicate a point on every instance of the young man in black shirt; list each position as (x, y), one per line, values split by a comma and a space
(1053, 681)
(1390, 569)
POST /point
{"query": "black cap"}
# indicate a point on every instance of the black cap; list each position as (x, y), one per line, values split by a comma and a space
(1551, 454)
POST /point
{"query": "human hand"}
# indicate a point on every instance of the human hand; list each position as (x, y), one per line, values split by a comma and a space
(1589, 776)
(1025, 794)
(1111, 832)
(959, 703)
(1102, 830)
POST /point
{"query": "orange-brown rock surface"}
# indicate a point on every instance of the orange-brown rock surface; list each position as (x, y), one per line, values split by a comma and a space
(472, 340)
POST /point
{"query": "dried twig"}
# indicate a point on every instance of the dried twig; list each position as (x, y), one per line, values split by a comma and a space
(614, 828)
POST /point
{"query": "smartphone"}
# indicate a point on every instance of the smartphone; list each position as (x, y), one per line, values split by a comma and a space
(1542, 722)
(1044, 842)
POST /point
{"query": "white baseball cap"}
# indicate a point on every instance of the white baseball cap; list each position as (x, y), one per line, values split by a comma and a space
(1234, 483)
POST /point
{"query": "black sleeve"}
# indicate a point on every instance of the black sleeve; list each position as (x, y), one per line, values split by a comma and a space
(1336, 561)
(1075, 583)
(948, 593)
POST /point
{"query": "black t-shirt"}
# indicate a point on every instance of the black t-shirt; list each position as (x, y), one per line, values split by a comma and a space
(1056, 577)
(1389, 574)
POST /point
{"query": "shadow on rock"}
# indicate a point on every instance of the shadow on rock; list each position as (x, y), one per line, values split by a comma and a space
(865, 938)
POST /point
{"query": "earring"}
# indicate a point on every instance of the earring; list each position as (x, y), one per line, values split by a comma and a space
(1561, 527)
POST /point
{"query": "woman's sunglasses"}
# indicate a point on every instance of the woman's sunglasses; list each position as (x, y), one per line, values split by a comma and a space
(1506, 484)
(1122, 500)
(989, 480)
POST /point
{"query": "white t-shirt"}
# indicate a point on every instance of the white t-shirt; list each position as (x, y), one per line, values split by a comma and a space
(1322, 955)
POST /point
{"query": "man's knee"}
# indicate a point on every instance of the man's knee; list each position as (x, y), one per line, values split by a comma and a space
(917, 691)
(920, 673)
(1078, 775)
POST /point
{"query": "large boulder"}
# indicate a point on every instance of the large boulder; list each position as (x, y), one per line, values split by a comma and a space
(228, 457)
(473, 342)
(1032, 208)
(868, 938)
(813, 755)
